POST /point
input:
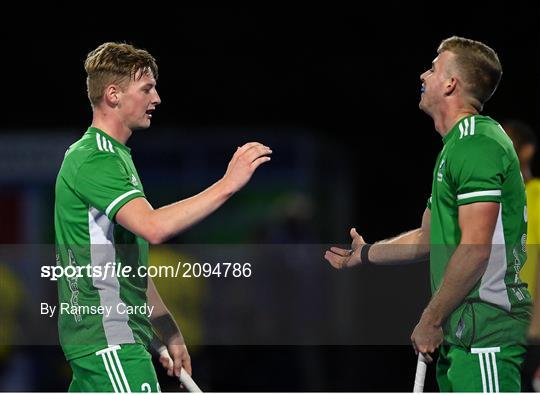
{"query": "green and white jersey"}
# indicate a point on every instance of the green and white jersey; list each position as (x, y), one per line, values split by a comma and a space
(96, 179)
(478, 164)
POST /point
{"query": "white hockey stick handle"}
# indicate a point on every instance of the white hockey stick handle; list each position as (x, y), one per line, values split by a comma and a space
(420, 375)
(186, 380)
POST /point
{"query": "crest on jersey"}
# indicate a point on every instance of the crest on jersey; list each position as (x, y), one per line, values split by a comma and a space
(441, 170)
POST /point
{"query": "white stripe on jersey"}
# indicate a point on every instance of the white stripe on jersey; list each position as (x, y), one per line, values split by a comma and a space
(110, 366)
(477, 194)
(495, 373)
(481, 358)
(476, 350)
(115, 372)
(105, 144)
(484, 355)
(111, 377)
(98, 142)
(117, 200)
(466, 128)
(488, 367)
(121, 370)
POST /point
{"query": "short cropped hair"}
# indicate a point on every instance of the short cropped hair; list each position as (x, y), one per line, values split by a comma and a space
(116, 63)
(478, 65)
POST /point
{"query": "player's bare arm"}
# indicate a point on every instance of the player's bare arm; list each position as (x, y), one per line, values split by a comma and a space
(412, 246)
(169, 333)
(158, 225)
(465, 268)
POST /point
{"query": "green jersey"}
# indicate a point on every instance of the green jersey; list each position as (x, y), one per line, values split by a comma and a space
(98, 307)
(478, 164)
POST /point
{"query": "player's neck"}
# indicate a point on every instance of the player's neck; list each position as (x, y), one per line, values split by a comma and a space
(446, 119)
(112, 126)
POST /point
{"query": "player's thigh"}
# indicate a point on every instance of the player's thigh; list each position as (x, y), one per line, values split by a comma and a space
(494, 369)
(123, 368)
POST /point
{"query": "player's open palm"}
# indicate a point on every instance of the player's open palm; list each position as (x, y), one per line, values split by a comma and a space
(243, 164)
(343, 258)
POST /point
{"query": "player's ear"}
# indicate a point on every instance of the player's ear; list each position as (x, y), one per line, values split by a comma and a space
(112, 95)
(450, 85)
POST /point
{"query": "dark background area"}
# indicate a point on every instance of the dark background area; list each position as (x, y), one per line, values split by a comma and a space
(336, 87)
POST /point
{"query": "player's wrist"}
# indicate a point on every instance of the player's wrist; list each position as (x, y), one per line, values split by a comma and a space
(364, 254)
(167, 329)
(430, 318)
(225, 188)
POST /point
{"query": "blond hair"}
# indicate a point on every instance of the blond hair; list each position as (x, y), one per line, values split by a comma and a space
(478, 65)
(116, 63)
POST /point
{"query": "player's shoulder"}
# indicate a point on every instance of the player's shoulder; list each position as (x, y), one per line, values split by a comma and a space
(481, 134)
(91, 148)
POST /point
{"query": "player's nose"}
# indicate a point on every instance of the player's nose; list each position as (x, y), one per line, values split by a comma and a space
(157, 99)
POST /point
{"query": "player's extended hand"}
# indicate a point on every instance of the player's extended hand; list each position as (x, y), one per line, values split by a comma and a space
(243, 164)
(343, 258)
(426, 338)
(180, 356)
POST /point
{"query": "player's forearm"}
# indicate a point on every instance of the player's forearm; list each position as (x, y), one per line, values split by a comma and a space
(161, 319)
(464, 270)
(154, 300)
(406, 248)
(177, 217)
(166, 329)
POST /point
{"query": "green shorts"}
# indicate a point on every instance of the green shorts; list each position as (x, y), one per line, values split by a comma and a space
(121, 369)
(493, 369)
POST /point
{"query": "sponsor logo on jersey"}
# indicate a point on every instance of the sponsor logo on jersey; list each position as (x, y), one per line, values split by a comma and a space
(134, 180)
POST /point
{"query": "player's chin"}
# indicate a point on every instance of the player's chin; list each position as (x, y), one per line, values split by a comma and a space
(144, 124)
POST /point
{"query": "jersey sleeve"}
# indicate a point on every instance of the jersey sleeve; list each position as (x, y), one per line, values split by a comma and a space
(103, 182)
(478, 167)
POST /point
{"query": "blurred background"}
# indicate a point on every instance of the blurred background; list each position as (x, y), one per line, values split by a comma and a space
(334, 92)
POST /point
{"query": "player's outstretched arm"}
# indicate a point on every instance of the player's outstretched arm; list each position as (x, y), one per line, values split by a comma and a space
(409, 247)
(158, 225)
